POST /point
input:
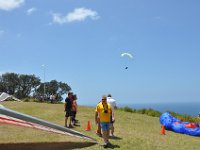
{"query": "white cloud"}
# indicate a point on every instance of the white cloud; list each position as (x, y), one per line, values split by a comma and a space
(57, 18)
(10, 4)
(79, 14)
(31, 10)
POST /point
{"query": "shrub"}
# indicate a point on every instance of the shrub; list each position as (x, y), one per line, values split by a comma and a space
(26, 100)
(141, 111)
(128, 109)
(155, 113)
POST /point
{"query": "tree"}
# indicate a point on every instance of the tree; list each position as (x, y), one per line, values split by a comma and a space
(63, 89)
(22, 86)
(53, 87)
(9, 83)
(2, 86)
(28, 84)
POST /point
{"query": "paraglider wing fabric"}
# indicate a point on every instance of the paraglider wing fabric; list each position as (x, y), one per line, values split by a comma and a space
(17, 122)
(174, 124)
(167, 120)
(34, 120)
(127, 54)
(4, 96)
(126, 58)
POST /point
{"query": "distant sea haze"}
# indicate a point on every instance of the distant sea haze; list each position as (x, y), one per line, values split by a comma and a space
(184, 108)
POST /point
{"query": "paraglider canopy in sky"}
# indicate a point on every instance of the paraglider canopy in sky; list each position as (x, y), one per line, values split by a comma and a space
(127, 55)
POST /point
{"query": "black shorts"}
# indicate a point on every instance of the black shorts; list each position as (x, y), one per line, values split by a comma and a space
(68, 113)
(73, 113)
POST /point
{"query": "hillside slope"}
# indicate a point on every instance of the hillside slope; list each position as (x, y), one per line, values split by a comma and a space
(133, 131)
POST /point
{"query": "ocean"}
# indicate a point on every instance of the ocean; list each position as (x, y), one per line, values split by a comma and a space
(184, 108)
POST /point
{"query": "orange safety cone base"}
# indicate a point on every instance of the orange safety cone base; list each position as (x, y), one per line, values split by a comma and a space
(88, 128)
(162, 132)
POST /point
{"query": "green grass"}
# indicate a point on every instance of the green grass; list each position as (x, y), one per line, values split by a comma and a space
(134, 131)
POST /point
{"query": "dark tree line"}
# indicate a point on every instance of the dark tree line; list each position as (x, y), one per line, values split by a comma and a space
(23, 86)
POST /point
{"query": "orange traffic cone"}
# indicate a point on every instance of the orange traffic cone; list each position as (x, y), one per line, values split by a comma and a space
(162, 132)
(88, 128)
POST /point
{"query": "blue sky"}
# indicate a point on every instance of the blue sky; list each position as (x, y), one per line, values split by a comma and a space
(81, 41)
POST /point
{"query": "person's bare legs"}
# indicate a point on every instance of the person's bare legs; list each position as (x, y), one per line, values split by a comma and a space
(112, 129)
(98, 128)
(66, 118)
(105, 135)
(70, 122)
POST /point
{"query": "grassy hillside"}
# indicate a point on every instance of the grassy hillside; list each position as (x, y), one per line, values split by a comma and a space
(134, 131)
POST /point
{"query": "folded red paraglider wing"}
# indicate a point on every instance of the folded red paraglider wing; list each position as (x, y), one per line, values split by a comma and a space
(190, 125)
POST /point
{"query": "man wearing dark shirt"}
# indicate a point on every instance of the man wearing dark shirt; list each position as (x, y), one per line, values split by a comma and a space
(68, 109)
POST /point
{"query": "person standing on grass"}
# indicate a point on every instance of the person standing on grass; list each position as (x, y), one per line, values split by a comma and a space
(68, 109)
(112, 102)
(104, 111)
(74, 110)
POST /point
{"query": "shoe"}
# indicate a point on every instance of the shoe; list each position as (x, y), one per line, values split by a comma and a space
(105, 146)
(76, 124)
(112, 135)
(110, 145)
(70, 126)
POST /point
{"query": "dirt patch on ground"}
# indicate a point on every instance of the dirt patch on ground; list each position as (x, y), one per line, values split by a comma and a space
(45, 146)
